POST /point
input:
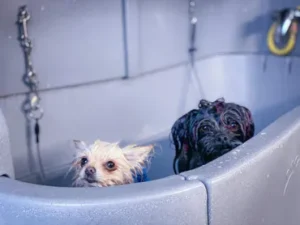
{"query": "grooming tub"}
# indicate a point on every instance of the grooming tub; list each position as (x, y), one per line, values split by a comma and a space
(78, 54)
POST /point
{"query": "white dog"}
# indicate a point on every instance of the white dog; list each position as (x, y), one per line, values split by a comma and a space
(105, 164)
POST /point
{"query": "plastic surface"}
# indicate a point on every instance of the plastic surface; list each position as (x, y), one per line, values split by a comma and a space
(6, 162)
(258, 182)
(169, 201)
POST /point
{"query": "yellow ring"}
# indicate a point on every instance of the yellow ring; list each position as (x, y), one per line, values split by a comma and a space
(272, 45)
(290, 43)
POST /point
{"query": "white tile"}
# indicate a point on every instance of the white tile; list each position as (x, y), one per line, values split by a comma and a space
(157, 34)
(73, 42)
(230, 26)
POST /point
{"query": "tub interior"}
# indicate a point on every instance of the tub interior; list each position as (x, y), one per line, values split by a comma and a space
(161, 164)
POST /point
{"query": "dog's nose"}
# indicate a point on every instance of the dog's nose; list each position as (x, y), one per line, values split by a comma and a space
(223, 139)
(90, 170)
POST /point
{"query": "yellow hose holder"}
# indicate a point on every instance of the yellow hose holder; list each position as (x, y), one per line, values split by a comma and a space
(291, 42)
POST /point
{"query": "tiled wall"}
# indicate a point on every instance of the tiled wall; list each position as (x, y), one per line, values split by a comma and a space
(79, 49)
(73, 42)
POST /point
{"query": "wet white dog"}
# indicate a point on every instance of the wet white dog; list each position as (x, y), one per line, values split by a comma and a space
(105, 164)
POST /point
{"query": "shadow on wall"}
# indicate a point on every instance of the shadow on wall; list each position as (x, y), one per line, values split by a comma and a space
(257, 27)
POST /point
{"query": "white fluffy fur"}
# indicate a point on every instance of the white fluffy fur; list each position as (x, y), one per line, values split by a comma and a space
(128, 161)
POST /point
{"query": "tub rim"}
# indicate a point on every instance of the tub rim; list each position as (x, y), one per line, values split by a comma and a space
(15, 190)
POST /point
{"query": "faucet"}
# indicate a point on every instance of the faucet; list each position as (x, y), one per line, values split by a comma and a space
(285, 17)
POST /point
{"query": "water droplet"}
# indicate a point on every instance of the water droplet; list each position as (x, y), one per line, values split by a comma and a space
(42, 8)
(220, 167)
(9, 37)
(262, 133)
(234, 152)
(193, 177)
(268, 175)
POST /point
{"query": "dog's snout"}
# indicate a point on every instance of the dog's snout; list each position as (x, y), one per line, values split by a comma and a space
(223, 139)
(90, 170)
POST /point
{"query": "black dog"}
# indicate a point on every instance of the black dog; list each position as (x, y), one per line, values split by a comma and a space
(205, 134)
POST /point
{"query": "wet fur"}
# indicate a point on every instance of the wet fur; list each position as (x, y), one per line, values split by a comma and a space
(196, 147)
(129, 161)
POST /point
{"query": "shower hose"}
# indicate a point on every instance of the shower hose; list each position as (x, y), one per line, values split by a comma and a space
(290, 42)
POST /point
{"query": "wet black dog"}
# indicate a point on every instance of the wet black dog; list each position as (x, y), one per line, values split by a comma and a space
(205, 134)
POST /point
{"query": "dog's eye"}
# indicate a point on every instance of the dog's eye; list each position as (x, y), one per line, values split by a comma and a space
(83, 161)
(110, 165)
(205, 128)
(233, 126)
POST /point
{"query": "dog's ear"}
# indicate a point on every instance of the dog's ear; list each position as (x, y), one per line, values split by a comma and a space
(203, 103)
(137, 156)
(80, 145)
(221, 99)
(250, 129)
